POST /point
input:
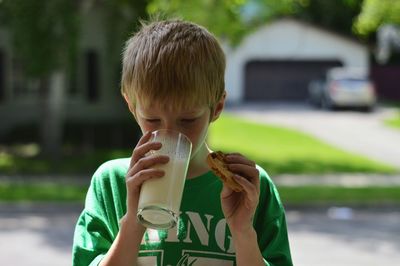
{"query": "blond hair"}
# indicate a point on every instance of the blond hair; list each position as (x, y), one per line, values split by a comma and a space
(175, 63)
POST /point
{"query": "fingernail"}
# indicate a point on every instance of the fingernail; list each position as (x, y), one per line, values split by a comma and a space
(228, 158)
(160, 174)
(238, 177)
(156, 145)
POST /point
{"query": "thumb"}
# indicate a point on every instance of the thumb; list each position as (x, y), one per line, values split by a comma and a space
(226, 191)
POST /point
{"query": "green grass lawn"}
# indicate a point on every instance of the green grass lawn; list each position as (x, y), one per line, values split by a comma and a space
(276, 149)
(314, 195)
(394, 121)
(16, 192)
(280, 150)
(339, 195)
(75, 163)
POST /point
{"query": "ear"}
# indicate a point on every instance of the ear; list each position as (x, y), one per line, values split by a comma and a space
(130, 104)
(218, 108)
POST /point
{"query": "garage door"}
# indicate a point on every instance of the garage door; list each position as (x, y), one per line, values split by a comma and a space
(282, 80)
(2, 76)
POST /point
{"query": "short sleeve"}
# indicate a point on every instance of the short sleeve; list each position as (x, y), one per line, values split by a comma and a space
(90, 240)
(105, 205)
(270, 224)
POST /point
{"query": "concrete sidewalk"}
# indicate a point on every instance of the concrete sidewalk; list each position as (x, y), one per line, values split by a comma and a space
(342, 180)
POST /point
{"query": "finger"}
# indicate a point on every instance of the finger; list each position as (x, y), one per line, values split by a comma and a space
(145, 138)
(250, 189)
(250, 172)
(238, 158)
(141, 151)
(138, 179)
(226, 191)
(148, 162)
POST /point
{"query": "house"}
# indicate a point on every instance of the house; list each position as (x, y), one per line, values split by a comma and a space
(92, 94)
(276, 62)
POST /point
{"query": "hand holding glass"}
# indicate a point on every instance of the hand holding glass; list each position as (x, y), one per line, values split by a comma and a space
(160, 198)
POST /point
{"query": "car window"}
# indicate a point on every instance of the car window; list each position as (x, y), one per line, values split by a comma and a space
(352, 82)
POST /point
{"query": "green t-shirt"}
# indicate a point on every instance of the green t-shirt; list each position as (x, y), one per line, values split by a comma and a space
(202, 236)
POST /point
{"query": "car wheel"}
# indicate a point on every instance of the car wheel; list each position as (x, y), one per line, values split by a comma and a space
(326, 103)
(367, 109)
(314, 102)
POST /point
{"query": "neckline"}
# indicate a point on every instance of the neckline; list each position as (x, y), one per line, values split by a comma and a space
(201, 181)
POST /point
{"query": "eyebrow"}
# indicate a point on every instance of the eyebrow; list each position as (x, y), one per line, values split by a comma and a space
(149, 112)
(194, 112)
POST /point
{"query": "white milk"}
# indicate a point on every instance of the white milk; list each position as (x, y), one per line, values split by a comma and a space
(165, 192)
(160, 198)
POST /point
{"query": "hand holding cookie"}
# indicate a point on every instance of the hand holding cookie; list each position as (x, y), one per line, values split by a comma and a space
(240, 194)
(216, 161)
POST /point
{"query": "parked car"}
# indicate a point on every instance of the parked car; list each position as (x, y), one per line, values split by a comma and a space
(343, 87)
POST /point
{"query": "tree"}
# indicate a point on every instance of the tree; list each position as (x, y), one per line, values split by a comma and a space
(45, 38)
(221, 17)
(44, 35)
(231, 20)
(337, 15)
(234, 19)
(123, 19)
(379, 21)
(375, 13)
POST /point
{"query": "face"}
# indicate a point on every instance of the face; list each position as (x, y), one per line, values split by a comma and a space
(192, 122)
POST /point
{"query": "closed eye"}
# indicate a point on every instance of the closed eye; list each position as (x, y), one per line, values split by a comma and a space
(152, 120)
(188, 120)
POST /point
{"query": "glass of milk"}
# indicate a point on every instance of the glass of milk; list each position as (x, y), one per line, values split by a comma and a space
(160, 198)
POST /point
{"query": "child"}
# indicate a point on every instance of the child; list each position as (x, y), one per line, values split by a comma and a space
(173, 77)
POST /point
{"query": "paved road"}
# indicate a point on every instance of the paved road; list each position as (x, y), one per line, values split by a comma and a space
(347, 237)
(33, 235)
(358, 132)
(327, 236)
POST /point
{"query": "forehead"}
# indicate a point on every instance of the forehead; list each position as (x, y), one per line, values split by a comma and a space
(161, 107)
(172, 98)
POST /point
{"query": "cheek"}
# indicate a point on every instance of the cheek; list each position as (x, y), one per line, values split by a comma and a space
(197, 136)
(146, 127)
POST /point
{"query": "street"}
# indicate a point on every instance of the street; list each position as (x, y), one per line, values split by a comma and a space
(343, 236)
(42, 235)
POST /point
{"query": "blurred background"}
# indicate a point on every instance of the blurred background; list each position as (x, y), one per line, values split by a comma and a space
(313, 88)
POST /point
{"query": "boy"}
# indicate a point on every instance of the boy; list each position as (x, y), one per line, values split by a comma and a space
(173, 77)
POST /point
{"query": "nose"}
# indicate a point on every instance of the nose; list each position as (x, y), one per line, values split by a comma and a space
(171, 126)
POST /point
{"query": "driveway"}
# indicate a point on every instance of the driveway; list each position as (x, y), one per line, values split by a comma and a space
(357, 132)
(41, 235)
